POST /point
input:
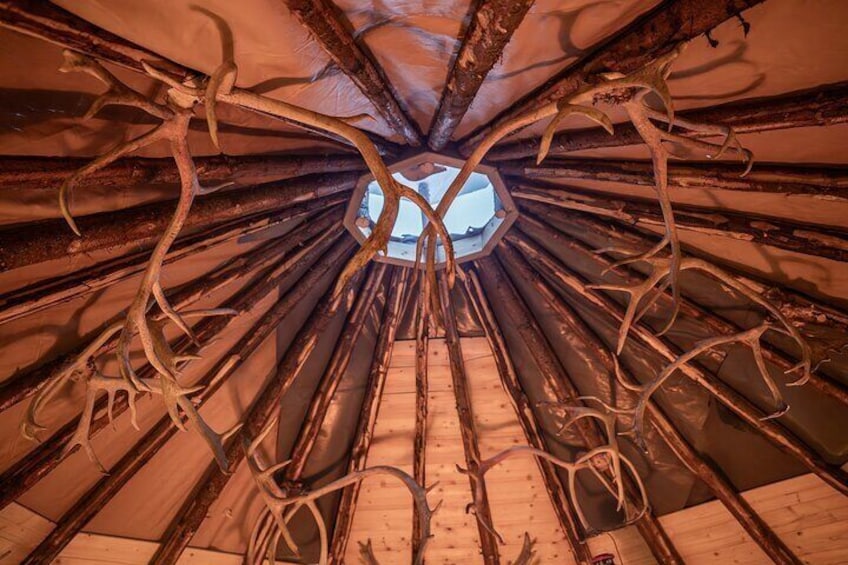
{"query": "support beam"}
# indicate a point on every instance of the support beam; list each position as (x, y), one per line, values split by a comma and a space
(467, 427)
(557, 493)
(718, 325)
(816, 107)
(325, 23)
(558, 382)
(645, 214)
(266, 403)
(55, 25)
(782, 438)
(48, 173)
(653, 34)
(422, 392)
(51, 292)
(369, 411)
(143, 225)
(40, 461)
(793, 180)
(98, 496)
(706, 471)
(491, 28)
(26, 384)
(333, 374)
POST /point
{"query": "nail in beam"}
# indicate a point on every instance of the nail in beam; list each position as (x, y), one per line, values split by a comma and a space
(651, 35)
(521, 404)
(467, 428)
(554, 269)
(719, 326)
(98, 496)
(496, 281)
(40, 461)
(708, 473)
(369, 412)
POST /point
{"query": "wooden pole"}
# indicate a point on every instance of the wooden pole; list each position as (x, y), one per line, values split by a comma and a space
(96, 498)
(816, 107)
(644, 215)
(467, 427)
(651, 35)
(26, 384)
(820, 182)
(422, 393)
(707, 472)
(369, 412)
(40, 461)
(188, 519)
(558, 382)
(45, 294)
(48, 173)
(717, 324)
(55, 25)
(325, 24)
(491, 28)
(143, 225)
(329, 383)
(782, 438)
(557, 493)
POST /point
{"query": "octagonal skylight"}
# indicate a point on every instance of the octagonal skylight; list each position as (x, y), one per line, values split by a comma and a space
(475, 220)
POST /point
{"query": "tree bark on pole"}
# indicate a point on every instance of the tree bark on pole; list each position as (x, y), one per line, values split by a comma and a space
(742, 407)
(707, 472)
(467, 426)
(816, 107)
(651, 35)
(524, 411)
(213, 481)
(370, 411)
(98, 496)
(422, 393)
(494, 275)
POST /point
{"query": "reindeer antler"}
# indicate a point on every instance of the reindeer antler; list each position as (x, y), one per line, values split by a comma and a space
(283, 503)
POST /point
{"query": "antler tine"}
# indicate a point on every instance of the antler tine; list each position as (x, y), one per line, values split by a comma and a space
(527, 552)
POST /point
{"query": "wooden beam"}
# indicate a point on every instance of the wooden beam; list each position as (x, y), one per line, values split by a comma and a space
(143, 225)
(491, 28)
(325, 23)
(820, 182)
(313, 420)
(645, 214)
(55, 25)
(96, 498)
(422, 393)
(782, 438)
(717, 324)
(369, 411)
(527, 419)
(653, 34)
(51, 292)
(26, 384)
(707, 472)
(467, 426)
(40, 461)
(48, 173)
(560, 384)
(191, 514)
(816, 107)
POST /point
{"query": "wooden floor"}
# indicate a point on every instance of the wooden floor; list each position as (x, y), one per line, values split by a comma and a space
(807, 514)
